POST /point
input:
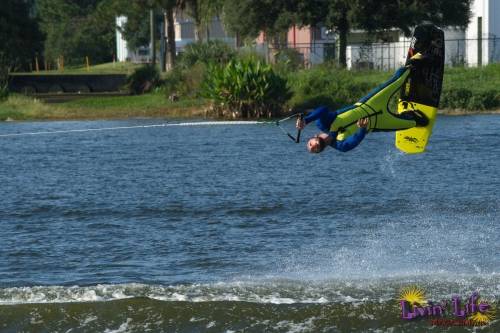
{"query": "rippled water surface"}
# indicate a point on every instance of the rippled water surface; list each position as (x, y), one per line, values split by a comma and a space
(236, 228)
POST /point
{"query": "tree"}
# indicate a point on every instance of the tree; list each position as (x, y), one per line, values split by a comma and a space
(19, 33)
(247, 18)
(372, 15)
(250, 17)
(169, 6)
(136, 30)
(202, 12)
(76, 29)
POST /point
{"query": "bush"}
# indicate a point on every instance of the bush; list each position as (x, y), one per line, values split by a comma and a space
(184, 82)
(211, 52)
(4, 78)
(4, 89)
(288, 60)
(249, 53)
(457, 98)
(486, 100)
(465, 99)
(143, 79)
(245, 88)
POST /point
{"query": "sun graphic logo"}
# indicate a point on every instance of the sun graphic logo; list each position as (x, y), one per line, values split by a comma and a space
(485, 313)
(413, 295)
(414, 304)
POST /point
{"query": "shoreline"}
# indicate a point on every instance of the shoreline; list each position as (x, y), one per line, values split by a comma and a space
(180, 113)
(153, 106)
(461, 112)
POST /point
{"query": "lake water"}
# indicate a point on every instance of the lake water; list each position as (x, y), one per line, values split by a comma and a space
(234, 228)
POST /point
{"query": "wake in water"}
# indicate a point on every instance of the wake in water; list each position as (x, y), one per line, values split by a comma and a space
(200, 123)
(249, 306)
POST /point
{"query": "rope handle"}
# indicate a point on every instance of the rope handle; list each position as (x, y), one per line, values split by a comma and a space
(301, 117)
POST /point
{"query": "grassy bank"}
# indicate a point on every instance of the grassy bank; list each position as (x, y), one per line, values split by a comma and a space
(19, 107)
(465, 90)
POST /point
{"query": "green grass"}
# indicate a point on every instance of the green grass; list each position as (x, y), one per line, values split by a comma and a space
(19, 107)
(474, 79)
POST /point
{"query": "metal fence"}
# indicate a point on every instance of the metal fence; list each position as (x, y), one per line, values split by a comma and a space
(387, 56)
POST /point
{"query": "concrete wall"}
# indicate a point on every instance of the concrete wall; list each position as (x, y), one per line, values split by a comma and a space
(489, 11)
(479, 9)
(122, 52)
(55, 84)
(494, 31)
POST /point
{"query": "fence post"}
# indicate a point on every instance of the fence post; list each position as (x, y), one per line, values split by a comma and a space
(479, 41)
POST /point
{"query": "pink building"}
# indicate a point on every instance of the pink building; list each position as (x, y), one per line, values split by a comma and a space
(315, 44)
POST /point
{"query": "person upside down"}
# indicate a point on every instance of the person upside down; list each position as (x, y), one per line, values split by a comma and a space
(344, 129)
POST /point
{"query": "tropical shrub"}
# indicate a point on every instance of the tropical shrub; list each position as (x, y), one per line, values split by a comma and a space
(143, 79)
(245, 88)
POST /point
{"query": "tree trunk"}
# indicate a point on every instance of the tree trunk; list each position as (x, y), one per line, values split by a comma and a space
(237, 40)
(343, 29)
(197, 32)
(197, 23)
(152, 36)
(169, 18)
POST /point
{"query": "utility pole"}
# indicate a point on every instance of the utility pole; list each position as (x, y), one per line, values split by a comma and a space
(163, 46)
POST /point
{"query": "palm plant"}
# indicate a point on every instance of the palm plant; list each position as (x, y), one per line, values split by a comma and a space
(245, 88)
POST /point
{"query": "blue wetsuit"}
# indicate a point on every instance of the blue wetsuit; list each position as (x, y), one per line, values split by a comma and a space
(324, 119)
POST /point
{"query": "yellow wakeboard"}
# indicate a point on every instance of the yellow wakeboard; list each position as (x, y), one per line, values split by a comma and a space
(414, 140)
